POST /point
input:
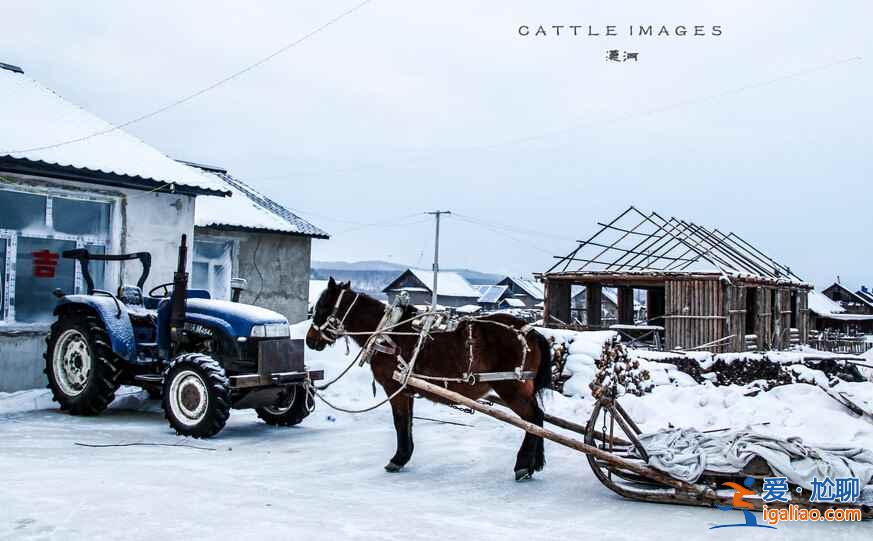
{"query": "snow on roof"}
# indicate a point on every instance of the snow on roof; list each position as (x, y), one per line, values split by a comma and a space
(451, 284)
(822, 305)
(513, 302)
(468, 309)
(249, 209)
(865, 295)
(34, 116)
(492, 294)
(532, 288)
(850, 317)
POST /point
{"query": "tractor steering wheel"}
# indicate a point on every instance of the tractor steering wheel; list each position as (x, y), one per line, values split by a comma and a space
(166, 287)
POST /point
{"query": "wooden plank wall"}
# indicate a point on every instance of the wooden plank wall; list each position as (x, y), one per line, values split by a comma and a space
(764, 325)
(784, 314)
(735, 323)
(803, 315)
(694, 314)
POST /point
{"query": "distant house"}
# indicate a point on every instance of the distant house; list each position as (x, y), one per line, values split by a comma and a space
(452, 289)
(253, 237)
(527, 291)
(608, 303)
(511, 302)
(490, 296)
(854, 302)
(840, 310)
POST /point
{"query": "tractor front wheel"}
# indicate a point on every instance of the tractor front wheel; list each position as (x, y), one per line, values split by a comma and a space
(81, 368)
(196, 395)
(287, 415)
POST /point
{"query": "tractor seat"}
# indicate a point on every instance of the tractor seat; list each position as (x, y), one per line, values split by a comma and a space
(132, 298)
(130, 295)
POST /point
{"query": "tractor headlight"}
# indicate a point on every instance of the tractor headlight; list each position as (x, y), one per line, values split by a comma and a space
(271, 330)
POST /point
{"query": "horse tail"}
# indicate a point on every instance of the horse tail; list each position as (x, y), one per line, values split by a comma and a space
(543, 378)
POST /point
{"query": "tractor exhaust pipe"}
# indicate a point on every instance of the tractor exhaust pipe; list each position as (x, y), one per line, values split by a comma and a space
(237, 286)
(180, 293)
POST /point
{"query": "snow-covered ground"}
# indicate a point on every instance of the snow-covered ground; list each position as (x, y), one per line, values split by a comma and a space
(324, 479)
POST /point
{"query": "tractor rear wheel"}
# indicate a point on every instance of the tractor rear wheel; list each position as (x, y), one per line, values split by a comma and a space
(290, 415)
(81, 368)
(196, 395)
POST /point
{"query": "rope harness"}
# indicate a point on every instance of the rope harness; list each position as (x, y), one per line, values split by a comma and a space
(379, 340)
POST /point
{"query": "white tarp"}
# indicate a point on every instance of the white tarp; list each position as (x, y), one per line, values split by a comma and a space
(684, 453)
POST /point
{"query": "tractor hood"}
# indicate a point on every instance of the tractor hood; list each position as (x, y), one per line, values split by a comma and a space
(239, 317)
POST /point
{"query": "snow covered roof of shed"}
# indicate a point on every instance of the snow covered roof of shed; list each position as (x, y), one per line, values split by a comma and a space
(248, 209)
(44, 134)
(451, 284)
(822, 305)
(648, 244)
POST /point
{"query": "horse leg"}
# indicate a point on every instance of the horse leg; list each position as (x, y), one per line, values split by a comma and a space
(401, 407)
(531, 455)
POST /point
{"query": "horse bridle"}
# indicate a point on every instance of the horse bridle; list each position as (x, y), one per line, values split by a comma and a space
(334, 325)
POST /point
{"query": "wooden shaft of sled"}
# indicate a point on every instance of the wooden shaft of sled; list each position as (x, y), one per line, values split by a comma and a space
(566, 441)
(571, 426)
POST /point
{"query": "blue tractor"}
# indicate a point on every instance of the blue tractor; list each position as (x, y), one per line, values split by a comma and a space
(200, 355)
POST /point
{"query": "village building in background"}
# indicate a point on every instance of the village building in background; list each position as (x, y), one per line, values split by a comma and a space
(453, 290)
(705, 289)
(841, 320)
(250, 235)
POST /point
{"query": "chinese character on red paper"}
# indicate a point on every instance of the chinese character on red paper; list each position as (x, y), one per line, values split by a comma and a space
(44, 264)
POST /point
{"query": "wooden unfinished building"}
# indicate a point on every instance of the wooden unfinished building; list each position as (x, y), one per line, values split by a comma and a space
(704, 289)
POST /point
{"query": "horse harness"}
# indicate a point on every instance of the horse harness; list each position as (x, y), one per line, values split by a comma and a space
(380, 340)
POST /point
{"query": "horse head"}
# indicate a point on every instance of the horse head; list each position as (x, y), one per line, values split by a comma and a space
(324, 328)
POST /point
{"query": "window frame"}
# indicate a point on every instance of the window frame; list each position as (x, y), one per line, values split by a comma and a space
(234, 251)
(11, 236)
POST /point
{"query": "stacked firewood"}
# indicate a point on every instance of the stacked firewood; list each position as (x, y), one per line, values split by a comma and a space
(617, 374)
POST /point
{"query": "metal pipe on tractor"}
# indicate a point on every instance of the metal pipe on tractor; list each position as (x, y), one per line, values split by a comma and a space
(177, 301)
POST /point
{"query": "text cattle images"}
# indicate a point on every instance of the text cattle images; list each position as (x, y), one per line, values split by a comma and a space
(571, 30)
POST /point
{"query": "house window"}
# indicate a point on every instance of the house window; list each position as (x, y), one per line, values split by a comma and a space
(35, 229)
(213, 267)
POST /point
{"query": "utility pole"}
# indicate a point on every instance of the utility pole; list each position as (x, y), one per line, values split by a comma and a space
(436, 256)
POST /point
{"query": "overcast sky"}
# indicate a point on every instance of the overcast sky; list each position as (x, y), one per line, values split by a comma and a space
(404, 107)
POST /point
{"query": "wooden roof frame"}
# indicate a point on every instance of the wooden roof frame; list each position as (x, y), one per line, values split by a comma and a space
(637, 248)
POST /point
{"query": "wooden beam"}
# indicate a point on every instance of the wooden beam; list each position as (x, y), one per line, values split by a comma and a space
(625, 305)
(594, 306)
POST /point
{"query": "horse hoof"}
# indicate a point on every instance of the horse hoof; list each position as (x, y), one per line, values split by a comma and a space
(392, 467)
(523, 474)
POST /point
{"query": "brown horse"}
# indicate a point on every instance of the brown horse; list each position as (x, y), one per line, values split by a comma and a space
(495, 348)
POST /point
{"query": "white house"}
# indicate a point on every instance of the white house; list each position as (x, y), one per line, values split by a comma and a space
(69, 179)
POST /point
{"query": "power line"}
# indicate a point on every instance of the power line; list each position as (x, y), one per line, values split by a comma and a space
(522, 231)
(202, 91)
(504, 233)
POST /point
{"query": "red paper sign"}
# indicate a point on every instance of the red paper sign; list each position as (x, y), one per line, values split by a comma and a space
(44, 264)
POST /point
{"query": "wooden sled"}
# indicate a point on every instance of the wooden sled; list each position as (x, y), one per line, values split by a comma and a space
(610, 456)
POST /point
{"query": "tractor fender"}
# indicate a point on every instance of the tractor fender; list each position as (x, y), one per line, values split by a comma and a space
(114, 316)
